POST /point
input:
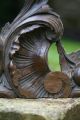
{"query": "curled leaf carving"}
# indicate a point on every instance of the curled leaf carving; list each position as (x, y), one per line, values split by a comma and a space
(25, 44)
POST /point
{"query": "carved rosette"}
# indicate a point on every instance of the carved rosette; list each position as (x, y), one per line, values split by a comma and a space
(25, 43)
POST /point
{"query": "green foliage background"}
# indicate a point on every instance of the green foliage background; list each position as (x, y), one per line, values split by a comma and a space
(70, 45)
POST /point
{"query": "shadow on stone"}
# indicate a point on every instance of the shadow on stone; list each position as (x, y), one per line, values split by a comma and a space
(73, 114)
(17, 116)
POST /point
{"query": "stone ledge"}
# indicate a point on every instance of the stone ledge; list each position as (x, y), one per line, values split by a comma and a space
(41, 109)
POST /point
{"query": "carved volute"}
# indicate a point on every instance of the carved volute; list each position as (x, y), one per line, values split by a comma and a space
(24, 49)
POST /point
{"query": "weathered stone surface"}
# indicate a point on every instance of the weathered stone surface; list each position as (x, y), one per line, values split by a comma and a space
(42, 109)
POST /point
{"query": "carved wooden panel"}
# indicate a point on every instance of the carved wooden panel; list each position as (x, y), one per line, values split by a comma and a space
(24, 46)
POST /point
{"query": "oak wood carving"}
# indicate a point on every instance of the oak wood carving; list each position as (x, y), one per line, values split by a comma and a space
(24, 45)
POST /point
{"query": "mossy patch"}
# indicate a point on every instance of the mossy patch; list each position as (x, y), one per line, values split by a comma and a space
(73, 114)
(18, 116)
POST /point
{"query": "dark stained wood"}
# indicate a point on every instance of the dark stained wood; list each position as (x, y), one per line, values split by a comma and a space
(76, 76)
(56, 82)
(53, 82)
(24, 70)
(26, 48)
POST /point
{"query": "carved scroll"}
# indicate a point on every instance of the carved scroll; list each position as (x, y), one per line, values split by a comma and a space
(24, 47)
